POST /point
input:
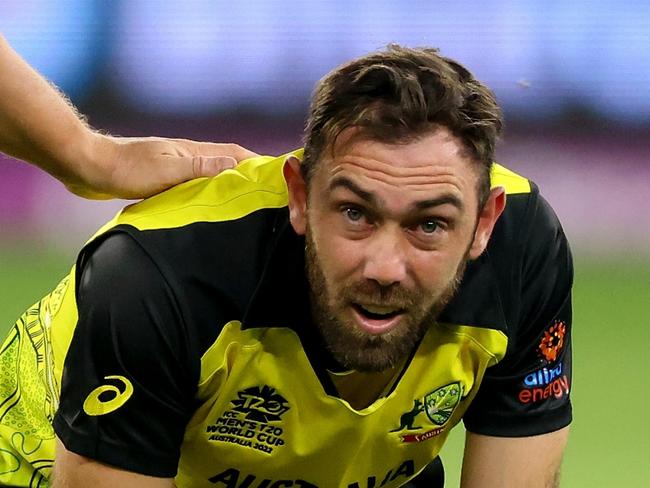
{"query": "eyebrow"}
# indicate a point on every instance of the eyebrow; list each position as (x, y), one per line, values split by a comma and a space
(342, 181)
(446, 199)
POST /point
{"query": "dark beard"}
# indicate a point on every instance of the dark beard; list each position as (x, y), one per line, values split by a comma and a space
(351, 347)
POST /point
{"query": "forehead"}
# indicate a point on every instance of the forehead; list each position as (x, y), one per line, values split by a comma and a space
(432, 164)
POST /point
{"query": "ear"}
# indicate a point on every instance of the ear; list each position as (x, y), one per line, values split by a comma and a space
(487, 218)
(297, 194)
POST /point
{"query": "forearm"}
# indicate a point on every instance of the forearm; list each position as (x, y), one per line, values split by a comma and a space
(500, 462)
(74, 471)
(38, 124)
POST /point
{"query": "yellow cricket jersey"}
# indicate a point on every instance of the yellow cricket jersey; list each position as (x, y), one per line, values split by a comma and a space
(181, 345)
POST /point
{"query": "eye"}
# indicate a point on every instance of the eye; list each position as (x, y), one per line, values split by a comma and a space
(429, 226)
(353, 214)
(429, 232)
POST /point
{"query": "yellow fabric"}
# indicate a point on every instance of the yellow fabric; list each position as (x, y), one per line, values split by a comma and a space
(255, 183)
(321, 438)
(360, 389)
(511, 181)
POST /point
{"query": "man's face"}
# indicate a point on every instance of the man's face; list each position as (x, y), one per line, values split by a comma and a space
(389, 228)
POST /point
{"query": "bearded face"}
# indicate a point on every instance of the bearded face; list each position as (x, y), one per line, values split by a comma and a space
(388, 231)
(335, 310)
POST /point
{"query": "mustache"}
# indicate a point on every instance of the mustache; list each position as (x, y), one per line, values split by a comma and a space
(371, 292)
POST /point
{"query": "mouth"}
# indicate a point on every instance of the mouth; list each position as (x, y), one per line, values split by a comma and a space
(377, 319)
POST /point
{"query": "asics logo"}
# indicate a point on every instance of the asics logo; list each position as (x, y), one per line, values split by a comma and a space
(108, 398)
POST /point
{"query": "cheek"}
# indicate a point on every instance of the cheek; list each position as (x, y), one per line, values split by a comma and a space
(434, 271)
(339, 258)
(445, 263)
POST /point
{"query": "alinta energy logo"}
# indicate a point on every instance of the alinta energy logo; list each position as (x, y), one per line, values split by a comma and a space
(438, 406)
(553, 341)
(550, 381)
(543, 384)
(252, 420)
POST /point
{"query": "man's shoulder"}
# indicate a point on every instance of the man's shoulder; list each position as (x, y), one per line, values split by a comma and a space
(528, 220)
(208, 240)
(207, 224)
(528, 224)
(522, 197)
(254, 184)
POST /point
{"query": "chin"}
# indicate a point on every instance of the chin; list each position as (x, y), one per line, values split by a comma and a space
(371, 353)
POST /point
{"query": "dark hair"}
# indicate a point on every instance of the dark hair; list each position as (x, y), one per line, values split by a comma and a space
(398, 95)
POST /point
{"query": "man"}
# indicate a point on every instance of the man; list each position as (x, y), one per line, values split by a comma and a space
(38, 125)
(319, 319)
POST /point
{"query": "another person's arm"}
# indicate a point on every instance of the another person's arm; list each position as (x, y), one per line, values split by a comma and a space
(38, 125)
(517, 426)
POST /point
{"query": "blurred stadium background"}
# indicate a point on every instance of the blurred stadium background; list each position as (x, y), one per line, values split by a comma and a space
(573, 77)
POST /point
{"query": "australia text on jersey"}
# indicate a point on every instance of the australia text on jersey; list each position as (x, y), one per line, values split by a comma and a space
(234, 478)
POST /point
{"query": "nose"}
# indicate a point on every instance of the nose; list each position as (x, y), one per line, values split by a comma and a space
(385, 260)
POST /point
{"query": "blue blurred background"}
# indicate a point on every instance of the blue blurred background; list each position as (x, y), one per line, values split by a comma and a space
(573, 78)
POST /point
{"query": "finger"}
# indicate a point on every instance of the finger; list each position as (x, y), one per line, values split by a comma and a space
(215, 149)
(211, 166)
(234, 150)
(172, 170)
